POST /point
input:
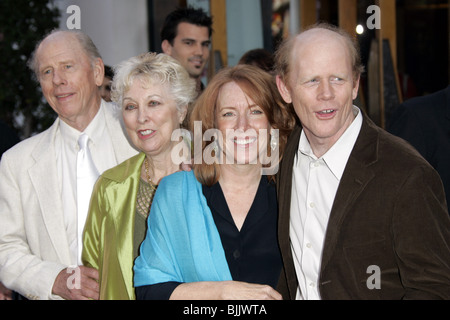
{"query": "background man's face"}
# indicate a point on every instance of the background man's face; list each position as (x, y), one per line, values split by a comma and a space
(190, 47)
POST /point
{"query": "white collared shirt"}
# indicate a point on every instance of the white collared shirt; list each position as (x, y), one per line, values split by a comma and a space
(314, 185)
(103, 155)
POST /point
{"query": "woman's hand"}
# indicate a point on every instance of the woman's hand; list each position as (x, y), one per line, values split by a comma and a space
(224, 290)
(236, 290)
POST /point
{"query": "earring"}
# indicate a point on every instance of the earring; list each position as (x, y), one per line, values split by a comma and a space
(273, 141)
(215, 147)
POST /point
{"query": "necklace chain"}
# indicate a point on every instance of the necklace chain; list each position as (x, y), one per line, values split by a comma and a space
(146, 166)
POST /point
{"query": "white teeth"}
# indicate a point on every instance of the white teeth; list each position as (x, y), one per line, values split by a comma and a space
(63, 96)
(327, 111)
(146, 132)
(244, 141)
(196, 61)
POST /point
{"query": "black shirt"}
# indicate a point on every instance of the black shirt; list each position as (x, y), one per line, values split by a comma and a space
(252, 253)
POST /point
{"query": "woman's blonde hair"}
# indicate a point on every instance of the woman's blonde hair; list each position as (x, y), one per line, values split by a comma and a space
(149, 67)
(259, 86)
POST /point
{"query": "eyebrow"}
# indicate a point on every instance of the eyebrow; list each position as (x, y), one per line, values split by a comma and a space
(194, 40)
(308, 78)
(149, 97)
(59, 63)
(234, 106)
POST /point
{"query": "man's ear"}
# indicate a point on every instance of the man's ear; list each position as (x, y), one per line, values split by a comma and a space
(166, 47)
(284, 91)
(99, 72)
(355, 88)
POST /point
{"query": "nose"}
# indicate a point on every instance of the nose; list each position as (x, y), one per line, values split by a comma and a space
(326, 91)
(58, 78)
(142, 116)
(243, 123)
(198, 51)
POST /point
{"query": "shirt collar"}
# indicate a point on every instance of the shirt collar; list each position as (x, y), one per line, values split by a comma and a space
(336, 158)
(69, 135)
(97, 126)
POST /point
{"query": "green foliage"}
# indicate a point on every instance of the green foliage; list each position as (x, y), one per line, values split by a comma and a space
(22, 24)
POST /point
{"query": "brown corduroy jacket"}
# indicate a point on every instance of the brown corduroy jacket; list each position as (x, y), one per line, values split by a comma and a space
(389, 212)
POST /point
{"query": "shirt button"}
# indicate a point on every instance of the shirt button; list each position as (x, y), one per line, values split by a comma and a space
(312, 285)
(314, 164)
(236, 254)
(308, 245)
(312, 205)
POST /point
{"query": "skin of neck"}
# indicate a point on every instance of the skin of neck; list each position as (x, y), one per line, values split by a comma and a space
(320, 146)
(240, 176)
(160, 166)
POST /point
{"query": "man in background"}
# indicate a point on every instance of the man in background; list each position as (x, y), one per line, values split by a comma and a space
(186, 36)
(425, 123)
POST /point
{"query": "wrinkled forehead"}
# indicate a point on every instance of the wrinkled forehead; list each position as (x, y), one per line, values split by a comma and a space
(321, 39)
(59, 46)
(144, 81)
(233, 93)
(320, 45)
(56, 40)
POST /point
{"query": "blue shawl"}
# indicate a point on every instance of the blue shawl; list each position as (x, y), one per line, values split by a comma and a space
(182, 243)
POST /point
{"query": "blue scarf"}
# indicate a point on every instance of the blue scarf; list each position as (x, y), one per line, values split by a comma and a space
(182, 242)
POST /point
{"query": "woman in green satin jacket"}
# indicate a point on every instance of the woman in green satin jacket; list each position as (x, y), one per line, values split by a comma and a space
(154, 92)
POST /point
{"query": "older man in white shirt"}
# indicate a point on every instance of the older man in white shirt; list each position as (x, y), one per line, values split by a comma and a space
(39, 237)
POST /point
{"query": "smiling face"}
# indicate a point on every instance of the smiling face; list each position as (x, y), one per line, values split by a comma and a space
(190, 47)
(240, 121)
(69, 80)
(321, 86)
(150, 115)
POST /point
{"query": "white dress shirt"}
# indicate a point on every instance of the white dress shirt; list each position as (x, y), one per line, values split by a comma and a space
(102, 152)
(314, 185)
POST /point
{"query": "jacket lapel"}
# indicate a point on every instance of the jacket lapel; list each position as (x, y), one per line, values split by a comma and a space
(44, 178)
(123, 148)
(284, 190)
(356, 176)
(122, 196)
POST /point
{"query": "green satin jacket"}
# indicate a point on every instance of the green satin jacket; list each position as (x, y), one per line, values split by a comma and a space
(109, 229)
